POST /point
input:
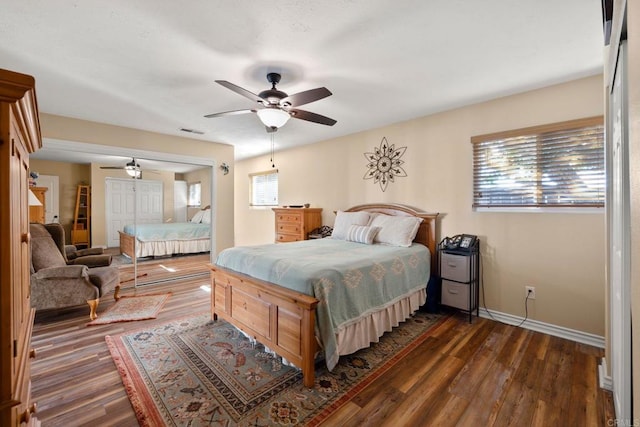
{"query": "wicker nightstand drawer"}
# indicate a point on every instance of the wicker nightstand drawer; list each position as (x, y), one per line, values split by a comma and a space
(455, 267)
(457, 295)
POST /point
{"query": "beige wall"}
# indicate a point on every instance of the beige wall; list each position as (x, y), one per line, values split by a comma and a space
(561, 254)
(68, 129)
(69, 177)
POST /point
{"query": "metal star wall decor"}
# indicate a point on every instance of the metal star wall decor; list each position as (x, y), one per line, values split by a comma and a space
(385, 164)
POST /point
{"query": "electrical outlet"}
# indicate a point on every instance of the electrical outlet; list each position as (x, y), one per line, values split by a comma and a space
(530, 292)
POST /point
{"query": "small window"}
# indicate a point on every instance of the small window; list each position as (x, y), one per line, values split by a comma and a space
(195, 200)
(559, 165)
(264, 188)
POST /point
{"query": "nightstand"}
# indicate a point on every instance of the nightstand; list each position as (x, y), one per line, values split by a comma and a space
(459, 271)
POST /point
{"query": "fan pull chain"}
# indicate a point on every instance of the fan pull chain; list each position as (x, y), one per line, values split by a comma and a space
(273, 165)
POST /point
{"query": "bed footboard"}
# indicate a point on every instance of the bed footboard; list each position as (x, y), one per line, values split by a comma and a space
(279, 318)
(127, 245)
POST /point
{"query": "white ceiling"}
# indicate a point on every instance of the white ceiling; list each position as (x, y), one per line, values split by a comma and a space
(151, 64)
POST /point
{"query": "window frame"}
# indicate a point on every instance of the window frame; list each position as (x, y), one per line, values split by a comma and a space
(252, 189)
(538, 134)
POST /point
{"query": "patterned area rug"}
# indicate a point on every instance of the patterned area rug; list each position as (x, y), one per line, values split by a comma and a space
(194, 372)
(130, 308)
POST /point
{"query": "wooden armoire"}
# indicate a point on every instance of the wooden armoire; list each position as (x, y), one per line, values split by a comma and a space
(19, 136)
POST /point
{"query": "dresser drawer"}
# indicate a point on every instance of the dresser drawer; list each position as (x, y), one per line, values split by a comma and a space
(289, 217)
(457, 295)
(288, 237)
(289, 227)
(455, 267)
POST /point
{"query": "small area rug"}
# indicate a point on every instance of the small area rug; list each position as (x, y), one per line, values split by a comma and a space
(131, 308)
(195, 372)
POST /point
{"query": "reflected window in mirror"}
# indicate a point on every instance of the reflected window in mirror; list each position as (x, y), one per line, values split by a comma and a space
(195, 200)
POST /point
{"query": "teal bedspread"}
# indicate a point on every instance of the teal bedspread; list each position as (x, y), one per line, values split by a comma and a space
(169, 231)
(349, 279)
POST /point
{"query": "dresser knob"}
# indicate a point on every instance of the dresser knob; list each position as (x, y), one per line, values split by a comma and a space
(26, 416)
(25, 238)
(32, 353)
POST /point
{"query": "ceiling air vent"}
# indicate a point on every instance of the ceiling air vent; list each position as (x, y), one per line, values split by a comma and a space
(198, 132)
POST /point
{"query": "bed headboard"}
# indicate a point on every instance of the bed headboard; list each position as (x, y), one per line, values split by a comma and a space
(426, 233)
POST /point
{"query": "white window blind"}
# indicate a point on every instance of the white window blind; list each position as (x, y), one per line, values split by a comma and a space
(264, 188)
(195, 193)
(557, 165)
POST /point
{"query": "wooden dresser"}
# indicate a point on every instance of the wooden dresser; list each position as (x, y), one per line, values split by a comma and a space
(37, 213)
(19, 135)
(293, 224)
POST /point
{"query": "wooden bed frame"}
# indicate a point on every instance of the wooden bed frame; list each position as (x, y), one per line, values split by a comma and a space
(283, 319)
(127, 245)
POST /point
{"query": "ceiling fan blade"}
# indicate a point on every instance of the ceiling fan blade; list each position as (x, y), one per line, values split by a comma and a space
(311, 117)
(230, 113)
(305, 97)
(111, 167)
(241, 91)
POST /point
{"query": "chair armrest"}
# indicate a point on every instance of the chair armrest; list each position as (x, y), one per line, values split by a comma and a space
(92, 260)
(89, 251)
(70, 251)
(66, 272)
(58, 287)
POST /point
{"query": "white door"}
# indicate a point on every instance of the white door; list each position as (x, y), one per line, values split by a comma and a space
(619, 226)
(149, 201)
(51, 197)
(123, 207)
(180, 201)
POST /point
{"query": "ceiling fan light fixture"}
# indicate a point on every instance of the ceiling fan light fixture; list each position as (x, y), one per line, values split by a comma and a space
(132, 169)
(273, 117)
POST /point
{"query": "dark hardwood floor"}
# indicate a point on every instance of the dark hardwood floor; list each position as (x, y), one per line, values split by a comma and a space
(480, 374)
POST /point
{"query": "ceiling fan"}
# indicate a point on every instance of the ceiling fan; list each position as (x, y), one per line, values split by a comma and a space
(132, 168)
(276, 107)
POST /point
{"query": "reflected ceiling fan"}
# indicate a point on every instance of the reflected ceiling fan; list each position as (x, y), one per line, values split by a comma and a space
(276, 107)
(132, 168)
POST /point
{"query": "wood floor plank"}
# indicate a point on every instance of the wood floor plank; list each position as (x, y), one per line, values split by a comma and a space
(486, 403)
(483, 373)
(418, 400)
(518, 405)
(380, 407)
(448, 413)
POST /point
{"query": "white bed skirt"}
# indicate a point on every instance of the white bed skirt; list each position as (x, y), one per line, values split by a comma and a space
(170, 247)
(371, 326)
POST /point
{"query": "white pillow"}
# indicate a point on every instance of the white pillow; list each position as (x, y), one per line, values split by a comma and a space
(362, 234)
(344, 220)
(372, 216)
(197, 218)
(206, 216)
(396, 230)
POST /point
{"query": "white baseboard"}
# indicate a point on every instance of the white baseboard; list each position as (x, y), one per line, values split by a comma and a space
(547, 328)
(604, 381)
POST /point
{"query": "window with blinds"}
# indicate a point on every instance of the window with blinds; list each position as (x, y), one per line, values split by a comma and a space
(558, 165)
(264, 188)
(195, 195)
